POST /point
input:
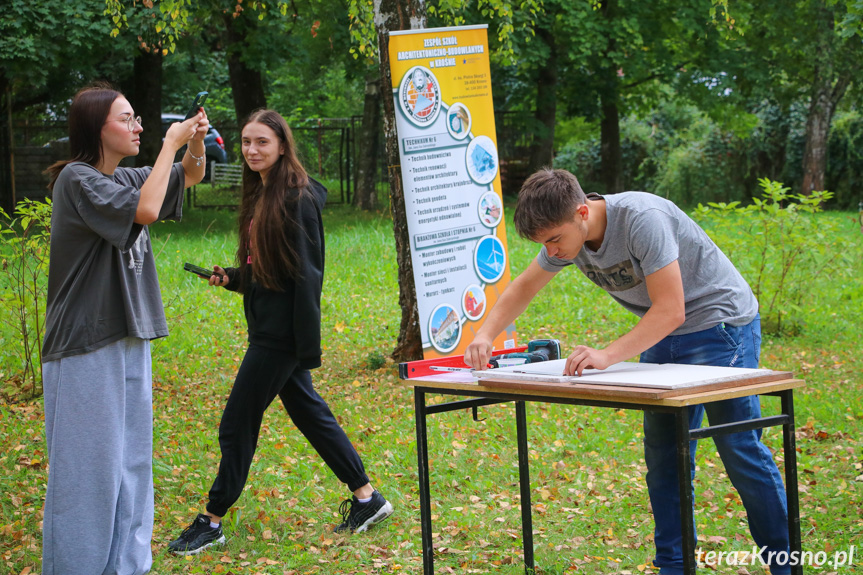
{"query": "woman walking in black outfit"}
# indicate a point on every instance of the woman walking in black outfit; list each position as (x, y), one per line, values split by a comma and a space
(280, 274)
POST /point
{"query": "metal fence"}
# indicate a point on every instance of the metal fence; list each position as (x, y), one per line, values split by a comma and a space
(328, 148)
(35, 146)
(514, 137)
(29, 133)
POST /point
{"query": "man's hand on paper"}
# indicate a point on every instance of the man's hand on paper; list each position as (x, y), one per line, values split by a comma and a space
(586, 357)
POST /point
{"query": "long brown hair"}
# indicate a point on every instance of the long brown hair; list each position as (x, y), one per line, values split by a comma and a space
(266, 221)
(87, 115)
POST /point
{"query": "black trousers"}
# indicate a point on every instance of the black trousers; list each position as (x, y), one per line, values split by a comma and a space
(264, 374)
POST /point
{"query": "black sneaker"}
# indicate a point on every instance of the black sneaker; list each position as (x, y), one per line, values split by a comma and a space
(197, 537)
(358, 517)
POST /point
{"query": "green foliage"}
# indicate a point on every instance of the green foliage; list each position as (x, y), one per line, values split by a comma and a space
(166, 20)
(501, 13)
(189, 69)
(645, 144)
(648, 149)
(624, 54)
(723, 19)
(47, 45)
(789, 50)
(779, 245)
(30, 33)
(375, 360)
(852, 23)
(338, 95)
(513, 21)
(364, 40)
(689, 156)
(703, 169)
(24, 249)
(845, 169)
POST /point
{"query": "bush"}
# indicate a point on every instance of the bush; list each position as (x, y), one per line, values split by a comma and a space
(24, 249)
(583, 158)
(690, 156)
(784, 246)
(375, 360)
(845, 168)
(704, 170)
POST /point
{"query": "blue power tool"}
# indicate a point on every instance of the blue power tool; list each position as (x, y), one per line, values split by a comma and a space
(537, 350)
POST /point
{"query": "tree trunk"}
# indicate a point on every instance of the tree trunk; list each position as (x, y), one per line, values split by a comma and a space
(817, 131)
(827, 91)
(7, 179)
(399, 15)
(769, 160)
(146, 99)
(542, 148)
(609, 138)
(366, 195)
(247, 84)
(611, 157)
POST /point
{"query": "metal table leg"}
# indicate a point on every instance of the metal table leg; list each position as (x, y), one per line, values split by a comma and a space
(424, 484)
(789, 445)
(524, 482)
(684, 478)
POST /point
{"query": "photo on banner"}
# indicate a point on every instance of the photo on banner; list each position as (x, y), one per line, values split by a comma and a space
(451, 174)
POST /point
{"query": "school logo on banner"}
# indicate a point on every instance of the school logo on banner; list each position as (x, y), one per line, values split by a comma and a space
(419, 96)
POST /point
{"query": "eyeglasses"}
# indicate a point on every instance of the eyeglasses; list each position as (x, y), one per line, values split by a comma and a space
(131, 121)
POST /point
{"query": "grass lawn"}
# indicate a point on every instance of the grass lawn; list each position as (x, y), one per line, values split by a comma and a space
(591, 510)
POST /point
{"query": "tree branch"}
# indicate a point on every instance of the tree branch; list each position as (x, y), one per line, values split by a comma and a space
(841, 86)
(653, 76)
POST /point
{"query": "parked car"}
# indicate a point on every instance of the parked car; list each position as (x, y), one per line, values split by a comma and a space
(214, 145)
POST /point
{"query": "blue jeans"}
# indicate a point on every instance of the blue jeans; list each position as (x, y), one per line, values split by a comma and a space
(747, 461)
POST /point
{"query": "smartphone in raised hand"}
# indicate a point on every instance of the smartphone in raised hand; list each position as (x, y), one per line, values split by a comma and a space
(197, 104)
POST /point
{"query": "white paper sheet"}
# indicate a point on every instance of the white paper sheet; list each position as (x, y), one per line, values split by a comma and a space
(654, 375)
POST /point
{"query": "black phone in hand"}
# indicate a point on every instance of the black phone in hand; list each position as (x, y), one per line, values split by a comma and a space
(202, 272)
(197, 104)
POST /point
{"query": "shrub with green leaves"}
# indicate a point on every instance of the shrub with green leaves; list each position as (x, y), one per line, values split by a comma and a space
(780, 247)
(24, 249)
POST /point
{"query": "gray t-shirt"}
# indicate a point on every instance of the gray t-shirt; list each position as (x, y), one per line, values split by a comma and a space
(102, 283)
(644, 234)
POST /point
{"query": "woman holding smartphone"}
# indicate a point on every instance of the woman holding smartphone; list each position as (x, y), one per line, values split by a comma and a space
(103, 309)
(280, 273)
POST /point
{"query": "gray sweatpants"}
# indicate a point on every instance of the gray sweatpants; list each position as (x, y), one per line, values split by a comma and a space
(99, 427)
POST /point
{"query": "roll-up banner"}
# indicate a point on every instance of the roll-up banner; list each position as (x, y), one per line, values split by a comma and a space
(451, 173)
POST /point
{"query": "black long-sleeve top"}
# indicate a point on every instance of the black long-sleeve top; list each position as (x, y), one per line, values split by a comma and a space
(290, 320)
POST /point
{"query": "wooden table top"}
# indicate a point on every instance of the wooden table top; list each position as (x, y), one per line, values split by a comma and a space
(453, 383)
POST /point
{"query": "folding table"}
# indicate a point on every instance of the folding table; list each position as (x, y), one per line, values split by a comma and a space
(424, 381)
